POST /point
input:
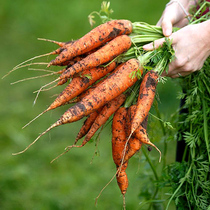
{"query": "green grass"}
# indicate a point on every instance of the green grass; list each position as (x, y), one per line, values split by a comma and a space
(29, 181)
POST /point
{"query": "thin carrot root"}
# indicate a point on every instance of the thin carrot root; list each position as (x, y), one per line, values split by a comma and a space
(43, 90)
(30, 78)
(124, 203)
(66, 150)
(38, 92)
(61, 44)
(43, 133)
(96, 200)
(124, 152)
(34, 119)
(18, 67)
(150, 143)
(30, 59)
(44, 70)
(37, 115)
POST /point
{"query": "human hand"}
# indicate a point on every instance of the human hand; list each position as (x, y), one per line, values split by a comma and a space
(192, 47)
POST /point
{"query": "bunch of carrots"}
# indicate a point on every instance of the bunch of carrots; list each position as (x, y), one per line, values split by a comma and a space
(107, 73)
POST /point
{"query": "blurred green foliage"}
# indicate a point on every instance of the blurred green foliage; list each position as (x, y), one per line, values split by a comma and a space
(29, 181)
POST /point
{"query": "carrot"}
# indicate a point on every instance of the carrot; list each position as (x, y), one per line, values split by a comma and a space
(115, 84)
(145, 99)
(134, 144)
(118, 145)
(87, 124)
(122, 179)
(80, 83)
(95, 38)
(86, 92)
(76, 87)
(103, 116)
(105, 54)
(81, 95)
(118, 135)
(141, 133)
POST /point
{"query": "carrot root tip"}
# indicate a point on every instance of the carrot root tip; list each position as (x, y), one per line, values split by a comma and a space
(34, 119)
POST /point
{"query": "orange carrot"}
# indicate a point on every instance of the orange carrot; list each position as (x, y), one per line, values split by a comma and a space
(103, 116)
(86, 92)
(118, 145)
(95, 38)
(140, 133)
(115, 84)
(87, 124)
(145, 99)
(105, 54)
(118, 135)
(134, 144)
(80, 83)
(122, 179)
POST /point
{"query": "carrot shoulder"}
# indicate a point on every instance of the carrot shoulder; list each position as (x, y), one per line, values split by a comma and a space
(95, 38)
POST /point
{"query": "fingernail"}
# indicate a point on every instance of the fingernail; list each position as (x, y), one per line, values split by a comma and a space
(167, 32)
(148, 47)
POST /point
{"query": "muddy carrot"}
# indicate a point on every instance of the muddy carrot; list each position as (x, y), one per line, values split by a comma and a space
(105, 54)
(87, 124)
(145, 99)
(118, 146)
(115, 84)
(95, 38)
(103, 116)
(134, 144)
(80, 83)
(141, 132)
